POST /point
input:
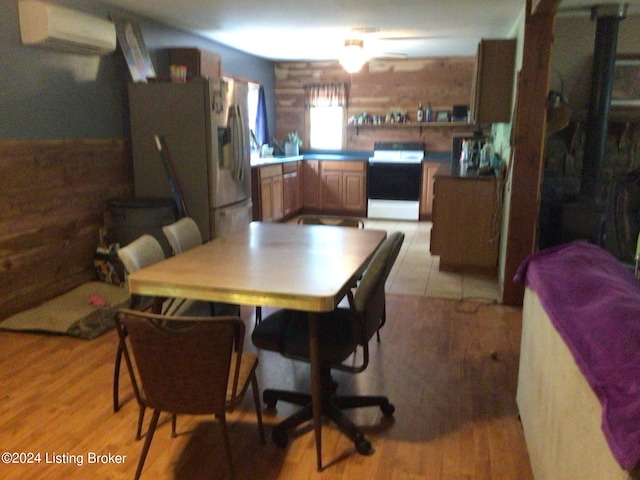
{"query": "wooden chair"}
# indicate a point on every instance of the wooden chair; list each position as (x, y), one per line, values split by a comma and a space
(183, 235)
(331, 220)
(189, 365)
(142, 252)
(341, 332)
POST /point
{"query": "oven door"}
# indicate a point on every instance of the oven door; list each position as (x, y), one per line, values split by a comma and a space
(394, 181)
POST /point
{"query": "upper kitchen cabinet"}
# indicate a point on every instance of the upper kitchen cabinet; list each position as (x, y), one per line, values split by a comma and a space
(493, 82)
(199, 63)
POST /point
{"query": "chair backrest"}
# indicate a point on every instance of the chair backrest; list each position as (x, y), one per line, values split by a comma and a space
(331, 220)
(369, 298)
(183, 362)
(183, 235)
(142, 252)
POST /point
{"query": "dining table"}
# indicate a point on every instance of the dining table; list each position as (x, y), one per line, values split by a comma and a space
(301, 267)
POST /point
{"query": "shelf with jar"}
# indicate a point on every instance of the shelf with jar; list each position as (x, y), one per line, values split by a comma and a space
(424, 118)
(408, 125)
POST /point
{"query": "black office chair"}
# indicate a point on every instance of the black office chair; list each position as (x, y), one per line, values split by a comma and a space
(341, 332)
(330, 220)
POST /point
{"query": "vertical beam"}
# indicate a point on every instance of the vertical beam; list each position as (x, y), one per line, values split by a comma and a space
(543, 7)
(527, 150)
(604, 56)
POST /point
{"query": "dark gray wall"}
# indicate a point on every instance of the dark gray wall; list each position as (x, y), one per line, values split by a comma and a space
(47, 94)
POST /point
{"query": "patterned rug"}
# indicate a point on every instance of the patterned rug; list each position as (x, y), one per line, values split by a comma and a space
(85, 312)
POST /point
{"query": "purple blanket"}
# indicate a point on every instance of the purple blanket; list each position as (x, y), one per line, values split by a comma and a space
(594, 303)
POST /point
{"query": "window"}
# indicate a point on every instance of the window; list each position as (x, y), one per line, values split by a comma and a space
(254, 88)
(326, 104)
(325, 127)
(257, 116)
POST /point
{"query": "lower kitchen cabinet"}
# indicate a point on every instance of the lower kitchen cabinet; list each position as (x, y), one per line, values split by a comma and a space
(343, 187)
(465, 231)
(429, 170)
(291, 178)
(331, 187)
(268, 193)
(311, 185)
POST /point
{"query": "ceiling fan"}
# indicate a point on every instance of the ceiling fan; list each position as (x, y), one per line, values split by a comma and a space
(354, 55)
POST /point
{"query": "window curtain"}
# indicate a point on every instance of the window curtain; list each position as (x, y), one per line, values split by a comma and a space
(325, 95)
(262, 130)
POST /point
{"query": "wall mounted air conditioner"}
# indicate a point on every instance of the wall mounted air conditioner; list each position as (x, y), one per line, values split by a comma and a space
(59, 28)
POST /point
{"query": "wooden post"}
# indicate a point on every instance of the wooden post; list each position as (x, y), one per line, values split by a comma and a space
(528, 146)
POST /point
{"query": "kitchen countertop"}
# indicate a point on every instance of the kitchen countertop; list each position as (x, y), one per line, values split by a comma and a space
(445, 171)
(443, 157)
(260, 161)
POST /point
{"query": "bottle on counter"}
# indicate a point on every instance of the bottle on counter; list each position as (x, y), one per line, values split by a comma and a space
(465, 157)
(485, 156)
(420, 113)
(428, 112)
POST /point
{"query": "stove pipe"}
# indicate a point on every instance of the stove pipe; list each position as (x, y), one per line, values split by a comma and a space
(608, 18)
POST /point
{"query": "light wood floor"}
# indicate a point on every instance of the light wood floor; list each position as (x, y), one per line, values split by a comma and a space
(455, 417)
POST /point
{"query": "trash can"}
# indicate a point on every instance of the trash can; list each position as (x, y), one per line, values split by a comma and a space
(133, 217)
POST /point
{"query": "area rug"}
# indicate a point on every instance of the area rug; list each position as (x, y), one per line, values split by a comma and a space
(85, 312)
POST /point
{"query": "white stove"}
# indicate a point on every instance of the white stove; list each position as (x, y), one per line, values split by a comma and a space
(393, 180)
(397, 156)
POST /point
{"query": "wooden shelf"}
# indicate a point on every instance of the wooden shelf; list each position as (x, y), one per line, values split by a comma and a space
(421, 126)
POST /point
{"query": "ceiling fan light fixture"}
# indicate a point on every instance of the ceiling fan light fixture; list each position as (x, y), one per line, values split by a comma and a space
(353, 57)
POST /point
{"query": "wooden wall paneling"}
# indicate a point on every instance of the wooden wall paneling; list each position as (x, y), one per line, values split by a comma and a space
(381, 86)
(52, 205)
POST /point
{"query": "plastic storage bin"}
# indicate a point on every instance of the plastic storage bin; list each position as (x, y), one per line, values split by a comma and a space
(133, 217)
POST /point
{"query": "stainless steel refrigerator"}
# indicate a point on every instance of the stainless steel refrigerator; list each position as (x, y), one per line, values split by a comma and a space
(203, 123)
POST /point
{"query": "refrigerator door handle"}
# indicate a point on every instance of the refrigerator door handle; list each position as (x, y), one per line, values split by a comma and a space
(238, 144)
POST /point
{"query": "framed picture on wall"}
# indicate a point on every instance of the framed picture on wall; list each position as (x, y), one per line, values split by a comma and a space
(133, 48)
(443, 116)
(626, 81)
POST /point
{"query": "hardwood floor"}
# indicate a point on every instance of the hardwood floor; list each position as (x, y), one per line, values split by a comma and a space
(455, 417)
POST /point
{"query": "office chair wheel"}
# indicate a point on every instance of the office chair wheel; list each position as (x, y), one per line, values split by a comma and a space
(280, 437)
(363, 446)
(388, 409)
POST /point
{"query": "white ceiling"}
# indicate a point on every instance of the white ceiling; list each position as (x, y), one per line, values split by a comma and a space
(316, 29)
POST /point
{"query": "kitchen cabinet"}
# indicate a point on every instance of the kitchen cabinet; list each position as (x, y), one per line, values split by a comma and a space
(465, 231)
(199, 63)
(493, 82)
(311, 185)
(268, 193)
(343, 187)
(316, 186)
(429, 170)
(291, 177)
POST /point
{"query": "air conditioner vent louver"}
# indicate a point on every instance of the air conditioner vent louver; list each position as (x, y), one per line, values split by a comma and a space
(51, 26)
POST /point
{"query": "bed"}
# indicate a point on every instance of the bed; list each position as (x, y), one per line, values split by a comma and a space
(579, 376)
